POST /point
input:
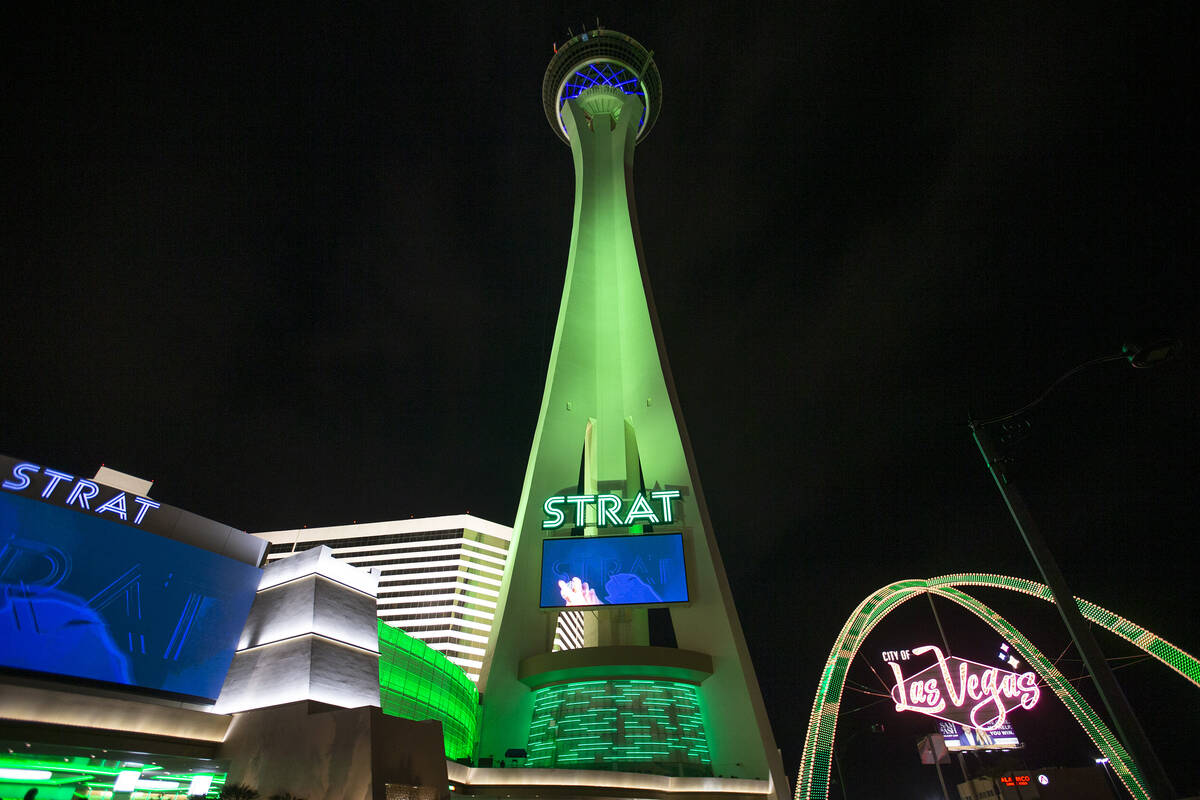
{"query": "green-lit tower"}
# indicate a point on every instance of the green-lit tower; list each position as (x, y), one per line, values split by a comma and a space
(583, 689)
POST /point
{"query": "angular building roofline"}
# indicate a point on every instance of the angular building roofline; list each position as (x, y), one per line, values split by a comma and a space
(417, 525)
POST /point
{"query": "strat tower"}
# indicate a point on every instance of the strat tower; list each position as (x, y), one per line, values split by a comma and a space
(612, 543)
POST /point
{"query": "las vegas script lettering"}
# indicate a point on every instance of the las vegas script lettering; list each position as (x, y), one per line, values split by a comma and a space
(984, 695)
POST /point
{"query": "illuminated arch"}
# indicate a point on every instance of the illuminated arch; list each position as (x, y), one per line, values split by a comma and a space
(815, 762)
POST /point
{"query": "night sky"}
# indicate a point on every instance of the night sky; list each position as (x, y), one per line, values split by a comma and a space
(301, 265)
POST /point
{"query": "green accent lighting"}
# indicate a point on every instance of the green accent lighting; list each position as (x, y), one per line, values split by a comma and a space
(417, 682)
(64, 777)
(813, 781)
(624, 725)
(610, 450)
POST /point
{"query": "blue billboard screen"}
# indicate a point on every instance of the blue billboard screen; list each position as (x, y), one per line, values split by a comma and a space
(90, 598)
(613, 570)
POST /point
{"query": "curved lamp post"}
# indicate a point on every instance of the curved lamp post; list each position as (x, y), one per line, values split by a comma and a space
(1126, 724)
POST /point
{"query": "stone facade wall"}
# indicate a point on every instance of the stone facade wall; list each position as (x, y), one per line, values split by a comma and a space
(319, 752)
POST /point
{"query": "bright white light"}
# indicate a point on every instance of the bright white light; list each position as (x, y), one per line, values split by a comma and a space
(156, 785)
(25, 774)
(1101, 760)
(199, 785)
(626, 782)
(126, 780)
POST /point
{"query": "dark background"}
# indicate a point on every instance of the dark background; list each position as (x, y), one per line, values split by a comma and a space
(301, 265)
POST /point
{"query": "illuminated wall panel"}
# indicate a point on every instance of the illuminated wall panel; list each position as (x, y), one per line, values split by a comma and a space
(310, 637)
(628, 725)
(417, 682)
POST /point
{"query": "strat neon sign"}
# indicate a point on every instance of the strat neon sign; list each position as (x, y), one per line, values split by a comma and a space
(957, 690)
(79, 492)
(646, 508)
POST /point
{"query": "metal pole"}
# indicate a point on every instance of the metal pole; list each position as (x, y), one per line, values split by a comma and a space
(962, 761)
(941, 780)
(1117, 792)
(1128, 729)
(841, 781)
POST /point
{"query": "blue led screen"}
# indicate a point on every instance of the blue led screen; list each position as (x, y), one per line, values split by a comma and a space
(91, 598)
(613, 570)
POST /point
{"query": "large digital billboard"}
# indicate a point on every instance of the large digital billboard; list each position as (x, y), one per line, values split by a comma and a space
(613, 570)
(88, 597)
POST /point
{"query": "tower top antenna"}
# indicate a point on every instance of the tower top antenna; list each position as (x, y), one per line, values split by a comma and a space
(601, 57)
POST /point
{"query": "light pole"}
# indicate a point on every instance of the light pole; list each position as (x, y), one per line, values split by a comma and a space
(1108, 774)
(1128, 729)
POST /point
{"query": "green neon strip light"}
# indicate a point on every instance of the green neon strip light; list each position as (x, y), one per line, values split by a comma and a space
(418, 682)
(91, 772)
(816, 758)
(628, 725)
(1179, 660)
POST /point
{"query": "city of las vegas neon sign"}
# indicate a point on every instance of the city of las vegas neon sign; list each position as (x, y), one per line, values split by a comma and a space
(611, 510)
(962, 691)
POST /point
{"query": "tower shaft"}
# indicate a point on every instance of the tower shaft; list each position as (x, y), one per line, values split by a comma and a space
(610, 424)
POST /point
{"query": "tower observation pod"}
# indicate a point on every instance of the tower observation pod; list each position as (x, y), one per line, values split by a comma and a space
(612, 544)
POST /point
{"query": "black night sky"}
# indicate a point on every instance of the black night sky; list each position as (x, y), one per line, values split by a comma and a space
(301, 265)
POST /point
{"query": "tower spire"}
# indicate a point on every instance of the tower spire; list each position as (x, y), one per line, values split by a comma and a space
(610, 446)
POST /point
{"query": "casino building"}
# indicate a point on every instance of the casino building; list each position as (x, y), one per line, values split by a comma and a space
(593, 650)
(145, 654)
(438, 577)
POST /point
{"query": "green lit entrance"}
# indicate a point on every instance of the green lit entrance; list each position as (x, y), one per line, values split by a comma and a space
(62, 773)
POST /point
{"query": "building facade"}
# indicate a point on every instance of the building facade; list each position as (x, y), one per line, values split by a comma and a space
(1050, 783)
(439, 577)
(146, 655)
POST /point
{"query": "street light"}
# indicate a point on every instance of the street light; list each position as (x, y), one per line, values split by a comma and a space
(1128, 729)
